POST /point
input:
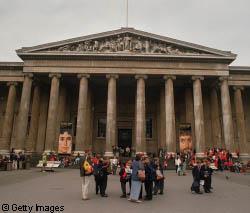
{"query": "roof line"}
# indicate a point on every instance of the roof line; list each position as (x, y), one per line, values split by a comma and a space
(124, 30)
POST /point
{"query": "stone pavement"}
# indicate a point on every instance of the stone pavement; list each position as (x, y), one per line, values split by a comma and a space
(62, 188)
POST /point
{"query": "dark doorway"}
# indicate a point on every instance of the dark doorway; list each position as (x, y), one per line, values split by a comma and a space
(125, 138)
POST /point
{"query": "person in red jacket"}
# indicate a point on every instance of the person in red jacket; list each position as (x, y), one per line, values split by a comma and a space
(123, 180)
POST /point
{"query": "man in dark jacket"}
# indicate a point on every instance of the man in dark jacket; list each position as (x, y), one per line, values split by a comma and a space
(150, 174)
(103, 176)
(207, 176)
(197, 173)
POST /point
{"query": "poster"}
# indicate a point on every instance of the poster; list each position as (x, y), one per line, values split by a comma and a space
(65, 138)
(185, 138)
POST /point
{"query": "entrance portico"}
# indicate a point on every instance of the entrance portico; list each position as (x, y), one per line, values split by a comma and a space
(125, 79)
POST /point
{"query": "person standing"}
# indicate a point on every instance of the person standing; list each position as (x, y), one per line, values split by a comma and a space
(123, 180)
(128, 171)
(178, 165)
(86, 170)
(159, 181)
(177, 161)
(207, 173)
(96, 168)
(103, 176)
(114, 165)
(136, 184)
(44, 162)
(13, 159)
(150, 175)
(197, 176)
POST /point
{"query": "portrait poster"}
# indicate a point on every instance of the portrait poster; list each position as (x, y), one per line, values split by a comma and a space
(185, 138)
(65, 138)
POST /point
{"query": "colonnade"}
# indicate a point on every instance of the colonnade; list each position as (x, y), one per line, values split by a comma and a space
(21, 142)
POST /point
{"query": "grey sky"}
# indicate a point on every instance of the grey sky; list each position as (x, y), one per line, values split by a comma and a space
(221, 24)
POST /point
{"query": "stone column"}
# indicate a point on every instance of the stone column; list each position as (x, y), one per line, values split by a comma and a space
(8, 119)
(227, 115)
(215, 118)
(240, 121)
(170, 114)
(198, 116)
(162, 121)
(111, 115)
(140, 127)
(190, 111)
(81, 128)
(30, 145)
(52, 113)
(23, 114)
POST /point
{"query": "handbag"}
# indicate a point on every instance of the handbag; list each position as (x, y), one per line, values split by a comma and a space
(159, 175)
(141, 175)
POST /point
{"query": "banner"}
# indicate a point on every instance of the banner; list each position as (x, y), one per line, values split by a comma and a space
(185, 138)
(65, 138)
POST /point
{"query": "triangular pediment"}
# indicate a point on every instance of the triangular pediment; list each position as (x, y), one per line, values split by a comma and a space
(125, 41)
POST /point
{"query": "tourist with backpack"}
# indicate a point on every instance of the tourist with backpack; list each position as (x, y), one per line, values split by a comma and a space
(86, 170)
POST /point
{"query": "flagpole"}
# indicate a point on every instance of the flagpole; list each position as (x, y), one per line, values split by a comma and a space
(126, 13)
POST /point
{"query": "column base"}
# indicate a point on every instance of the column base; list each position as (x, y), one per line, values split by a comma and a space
(48, 151)
(81, 153)
(245, 157)
(234, 154)
(108, 154)
(141, 153)
(4, 152)
(30, 152)
(200, 155)
(19, 150)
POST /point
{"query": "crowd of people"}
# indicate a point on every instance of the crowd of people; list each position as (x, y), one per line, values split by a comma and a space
(202, 176)
(143, 170)
(147, 172)
(18, 160)
(222, 160)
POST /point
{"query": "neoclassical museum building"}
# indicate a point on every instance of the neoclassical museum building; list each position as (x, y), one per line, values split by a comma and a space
(127, 88)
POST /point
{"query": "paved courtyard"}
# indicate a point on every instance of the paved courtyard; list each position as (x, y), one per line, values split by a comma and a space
(62, 188)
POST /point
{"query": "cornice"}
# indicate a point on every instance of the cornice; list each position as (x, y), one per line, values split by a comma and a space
(140, 33)
(127, 57)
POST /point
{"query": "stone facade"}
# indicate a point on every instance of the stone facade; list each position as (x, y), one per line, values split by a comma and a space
(124, 83)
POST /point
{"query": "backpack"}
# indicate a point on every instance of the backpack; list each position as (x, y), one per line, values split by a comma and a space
(88, 169)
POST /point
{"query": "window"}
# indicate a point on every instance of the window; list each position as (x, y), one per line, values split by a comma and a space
(149, 128)
(101, 128)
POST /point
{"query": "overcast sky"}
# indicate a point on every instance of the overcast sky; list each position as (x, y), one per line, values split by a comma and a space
(221, 24)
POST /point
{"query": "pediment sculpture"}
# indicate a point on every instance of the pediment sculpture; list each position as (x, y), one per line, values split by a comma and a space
(126, 43)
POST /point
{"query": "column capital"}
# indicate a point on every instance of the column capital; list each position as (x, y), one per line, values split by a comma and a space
(201, 78)
(238, 87)
(57, 75)
(83, 75)
(115, 76)
(29, 75)
(166, 77)
(215, 85)
(12, 83)
(36, 83)
(141, 76)
(224, 78)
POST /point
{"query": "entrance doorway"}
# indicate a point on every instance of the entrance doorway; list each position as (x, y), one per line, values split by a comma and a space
(125, 138)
